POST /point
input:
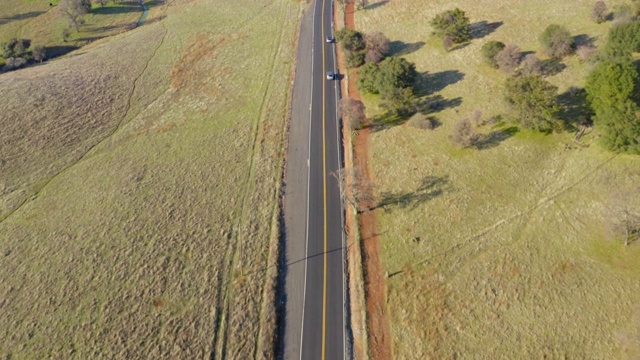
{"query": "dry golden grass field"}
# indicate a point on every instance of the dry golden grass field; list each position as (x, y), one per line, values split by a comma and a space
(513, 258)
(139, 181)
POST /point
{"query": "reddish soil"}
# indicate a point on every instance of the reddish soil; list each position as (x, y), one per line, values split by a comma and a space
(379, 334)
(353, 252)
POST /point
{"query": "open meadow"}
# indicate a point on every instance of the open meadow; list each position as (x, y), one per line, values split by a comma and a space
(44, 25)
(500, 251)
(139, 183)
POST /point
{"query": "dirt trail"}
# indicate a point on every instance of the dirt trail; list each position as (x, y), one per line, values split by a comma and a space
(379, 335)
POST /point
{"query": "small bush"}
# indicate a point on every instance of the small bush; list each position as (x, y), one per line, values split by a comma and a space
(421, 121)
(489, 52)
(600, 12)
(556, 41)
(509, 58)
(464, 134)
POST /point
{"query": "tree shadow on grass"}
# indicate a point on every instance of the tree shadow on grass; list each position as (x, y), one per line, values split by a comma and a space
(584, 40)
(552, 67)
(430, 187)
(483, 28)
(388, 120)
(575, 111)
(376, 5)
(436, 103)
(55, 51)
(496, 137)
(400, 48)
(114, 10)
(17, 17)
(427, 84)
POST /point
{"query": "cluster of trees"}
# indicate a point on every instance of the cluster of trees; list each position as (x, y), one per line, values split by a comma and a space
(360, 48)
(17, 54)
(393, 79)
(452, 26)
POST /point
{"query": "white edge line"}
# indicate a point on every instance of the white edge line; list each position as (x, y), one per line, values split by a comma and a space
(344, 283)
(306, 250)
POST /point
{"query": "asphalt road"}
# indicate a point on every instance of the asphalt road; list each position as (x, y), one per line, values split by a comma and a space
(314, 284)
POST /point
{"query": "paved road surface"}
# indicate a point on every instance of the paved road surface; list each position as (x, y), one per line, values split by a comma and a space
(314, 320)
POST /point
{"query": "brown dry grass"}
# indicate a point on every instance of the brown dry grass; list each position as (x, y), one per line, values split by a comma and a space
(512, 260)
(140, 217)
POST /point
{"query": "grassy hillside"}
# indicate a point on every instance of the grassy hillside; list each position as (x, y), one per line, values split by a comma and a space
(513, 259)
(43, 24)
(138, 183)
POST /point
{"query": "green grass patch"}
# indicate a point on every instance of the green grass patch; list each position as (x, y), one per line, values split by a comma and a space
(511, 261)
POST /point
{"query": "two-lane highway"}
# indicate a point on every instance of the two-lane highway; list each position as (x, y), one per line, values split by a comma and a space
(321, 323)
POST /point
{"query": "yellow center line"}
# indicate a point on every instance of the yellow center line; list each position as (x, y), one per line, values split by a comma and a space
(324, 193)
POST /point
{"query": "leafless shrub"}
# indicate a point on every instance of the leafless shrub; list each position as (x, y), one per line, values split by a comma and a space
(421, 121)
(354, 111)
(355, 188)
(599, 12)
(464, 134)
(531, 64)
(508, 58)
(585, 52)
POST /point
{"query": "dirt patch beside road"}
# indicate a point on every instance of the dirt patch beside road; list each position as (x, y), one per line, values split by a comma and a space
(378, 328)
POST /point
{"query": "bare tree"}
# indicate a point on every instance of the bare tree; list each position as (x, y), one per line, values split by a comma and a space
(362, 4)
(355, 188)
(508, 58)
(378, 42)
(623, 207)
(600, 12)
(354, 111)
(74, 10)
(585, 52)
(373, 57)
(101, 2)
(464, 134)
(531, 65)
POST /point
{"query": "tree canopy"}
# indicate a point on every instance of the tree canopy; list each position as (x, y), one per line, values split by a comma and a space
(392, 73)
(611, 89)
(452, 23)
(533, 101)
